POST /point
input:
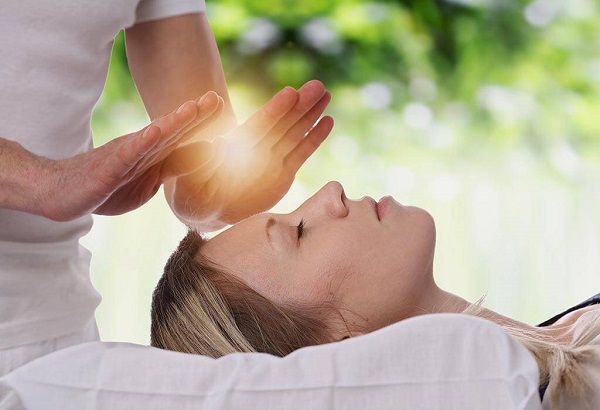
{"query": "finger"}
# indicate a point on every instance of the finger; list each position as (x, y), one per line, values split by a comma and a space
(259, 124)
(140, 148)
(206, 108)
(211, 100)
(175, 121)
(301, 128)
(193, 182)
(294, 160)
(196, 127)
(129, 151)
(309, 95)
(204, 118)
(186, 159)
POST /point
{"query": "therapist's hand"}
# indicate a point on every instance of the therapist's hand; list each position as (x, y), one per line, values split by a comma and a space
(253, 167)
(126, 172)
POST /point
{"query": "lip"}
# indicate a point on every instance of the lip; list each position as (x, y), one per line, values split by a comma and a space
(383, 205)
(373, 203)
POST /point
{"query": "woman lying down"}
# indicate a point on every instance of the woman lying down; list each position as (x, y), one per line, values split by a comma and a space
(333, 269)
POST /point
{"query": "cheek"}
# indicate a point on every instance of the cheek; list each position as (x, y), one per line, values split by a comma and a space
(320, 268)
(341, 262)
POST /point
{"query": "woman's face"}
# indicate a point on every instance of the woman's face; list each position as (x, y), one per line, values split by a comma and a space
(370, 260)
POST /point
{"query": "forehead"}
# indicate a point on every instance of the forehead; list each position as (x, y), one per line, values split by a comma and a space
(243, 239)
(244, 251)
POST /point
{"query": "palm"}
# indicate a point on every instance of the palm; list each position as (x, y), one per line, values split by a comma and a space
(245, 191)
(125, 173)
(256, 163)
(133, 194)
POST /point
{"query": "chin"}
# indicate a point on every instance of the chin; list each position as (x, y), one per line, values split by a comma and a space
(425, 226)
(423, 218)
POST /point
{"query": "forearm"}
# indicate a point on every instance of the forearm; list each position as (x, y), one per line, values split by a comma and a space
(174, 60)
(22, 176)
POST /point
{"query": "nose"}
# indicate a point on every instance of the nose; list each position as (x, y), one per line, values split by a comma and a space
(330, 199)
(335, 197)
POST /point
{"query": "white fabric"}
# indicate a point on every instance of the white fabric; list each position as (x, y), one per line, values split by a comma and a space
(157, 9)
(53, 65)
(429, 362)
(13, 357)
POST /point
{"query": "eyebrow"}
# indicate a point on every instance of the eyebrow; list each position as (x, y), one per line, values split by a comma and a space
(270, 223)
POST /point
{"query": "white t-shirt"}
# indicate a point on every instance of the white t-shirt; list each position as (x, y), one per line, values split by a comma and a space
(53, 66)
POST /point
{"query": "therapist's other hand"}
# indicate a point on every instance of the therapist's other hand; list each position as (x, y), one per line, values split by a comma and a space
(253, 167)
(125, 173)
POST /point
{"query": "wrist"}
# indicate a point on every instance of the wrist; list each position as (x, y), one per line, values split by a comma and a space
(23, 178)
(199, 223)
(44, 187)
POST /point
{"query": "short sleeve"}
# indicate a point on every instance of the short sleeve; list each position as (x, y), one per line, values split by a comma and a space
(148, 10)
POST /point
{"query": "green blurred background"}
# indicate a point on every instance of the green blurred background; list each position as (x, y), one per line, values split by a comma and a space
(484, 112)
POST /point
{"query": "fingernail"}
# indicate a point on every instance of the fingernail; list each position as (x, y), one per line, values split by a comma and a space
(146, 134)
(203, 99)
(180, 109)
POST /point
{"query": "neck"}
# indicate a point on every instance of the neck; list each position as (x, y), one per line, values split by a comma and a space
(440, 301)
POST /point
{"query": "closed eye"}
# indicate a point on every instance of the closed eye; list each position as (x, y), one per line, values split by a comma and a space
(300, 228)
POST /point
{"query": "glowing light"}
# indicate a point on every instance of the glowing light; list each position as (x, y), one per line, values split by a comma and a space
(241, 155)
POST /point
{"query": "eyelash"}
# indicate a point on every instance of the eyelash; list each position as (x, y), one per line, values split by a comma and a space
(300, 228)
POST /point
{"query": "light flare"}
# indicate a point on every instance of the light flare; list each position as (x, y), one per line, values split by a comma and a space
(244, 157)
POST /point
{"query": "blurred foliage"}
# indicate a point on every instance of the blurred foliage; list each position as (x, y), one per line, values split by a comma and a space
(462, 77)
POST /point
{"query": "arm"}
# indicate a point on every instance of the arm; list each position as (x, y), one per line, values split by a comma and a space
(19, 172)
(112, 179)
(125, 173)
(176, 58)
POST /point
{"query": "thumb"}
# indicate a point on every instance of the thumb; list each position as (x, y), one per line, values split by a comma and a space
(186, 159)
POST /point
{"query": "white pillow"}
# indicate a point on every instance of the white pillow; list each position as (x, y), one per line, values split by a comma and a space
(429, 362)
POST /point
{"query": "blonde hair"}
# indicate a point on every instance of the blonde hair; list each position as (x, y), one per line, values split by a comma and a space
(561, 366)
(198, 308)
